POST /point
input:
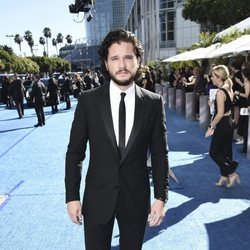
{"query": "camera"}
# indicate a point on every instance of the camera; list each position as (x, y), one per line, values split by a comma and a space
(80, 6)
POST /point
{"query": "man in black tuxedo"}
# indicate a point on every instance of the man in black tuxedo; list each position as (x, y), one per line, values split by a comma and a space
(37, 94)
(120, 121)
(16, 91)
(66, 90)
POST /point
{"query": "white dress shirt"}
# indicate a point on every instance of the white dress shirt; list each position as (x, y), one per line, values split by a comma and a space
(115, 97)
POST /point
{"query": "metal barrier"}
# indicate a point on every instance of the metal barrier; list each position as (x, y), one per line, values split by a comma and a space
(204, 112)
(171, 98)
(180, 102)
(191, 106)
(165, 95)
(159, 89)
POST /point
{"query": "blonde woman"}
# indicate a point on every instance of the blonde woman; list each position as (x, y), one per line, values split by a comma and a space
(221, 128)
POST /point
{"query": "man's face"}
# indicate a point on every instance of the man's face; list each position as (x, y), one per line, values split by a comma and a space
(122, 63)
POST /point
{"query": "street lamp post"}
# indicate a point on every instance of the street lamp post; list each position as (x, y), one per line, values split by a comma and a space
(10, 36)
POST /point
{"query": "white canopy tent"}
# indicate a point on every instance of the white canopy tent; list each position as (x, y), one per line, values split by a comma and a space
(237, 46)
(241, 26)
(195, 54)
(178, 57)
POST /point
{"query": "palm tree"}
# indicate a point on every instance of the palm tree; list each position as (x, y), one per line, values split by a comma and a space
(69, 41)
(47, 34)
(28, 37)
(54, 43)
(18, 39)
(206, 39)
(59, 38)
(42, 42)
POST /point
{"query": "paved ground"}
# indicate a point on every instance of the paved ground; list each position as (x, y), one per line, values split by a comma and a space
(33, 214)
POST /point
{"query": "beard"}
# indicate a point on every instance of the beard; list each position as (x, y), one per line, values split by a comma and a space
(125, 82)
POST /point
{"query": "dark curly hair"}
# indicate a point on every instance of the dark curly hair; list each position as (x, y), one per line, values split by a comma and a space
(117, 36)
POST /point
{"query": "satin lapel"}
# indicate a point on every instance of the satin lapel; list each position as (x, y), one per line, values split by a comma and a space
(107, 117)
(139, 100)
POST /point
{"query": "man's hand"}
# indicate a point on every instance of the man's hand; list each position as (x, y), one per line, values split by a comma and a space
(157, 214)
(75, 211)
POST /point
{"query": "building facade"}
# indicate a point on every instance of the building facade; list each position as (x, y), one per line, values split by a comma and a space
(161, 28)
(108, 15)
(158, 24)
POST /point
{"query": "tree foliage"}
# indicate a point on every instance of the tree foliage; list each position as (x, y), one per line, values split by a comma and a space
(216, 12)
(13, 63)
(54, 43)
(9, 62)
(42, 42)
(69, 39)
(2, 66)
(18, 39)
(29, 38)
(59, 38)
(51, 65)
(7, 49)
(47, 34)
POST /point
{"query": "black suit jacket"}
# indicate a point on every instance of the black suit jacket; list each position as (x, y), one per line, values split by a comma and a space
(110, 177)
(38, 93)
(17, 90)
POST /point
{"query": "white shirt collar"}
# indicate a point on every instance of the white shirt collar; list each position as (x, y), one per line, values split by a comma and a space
(115, 90)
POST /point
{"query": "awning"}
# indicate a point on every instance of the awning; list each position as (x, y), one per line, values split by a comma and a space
(241, 26)
(195, 54)
(178, 57)
(239, 45)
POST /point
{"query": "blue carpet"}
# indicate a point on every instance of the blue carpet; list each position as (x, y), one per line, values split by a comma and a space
(199, 215)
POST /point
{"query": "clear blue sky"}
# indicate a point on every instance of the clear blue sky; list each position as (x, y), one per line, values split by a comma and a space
(18, 16)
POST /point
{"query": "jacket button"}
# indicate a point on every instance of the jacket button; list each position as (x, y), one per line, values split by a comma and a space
(117, 187)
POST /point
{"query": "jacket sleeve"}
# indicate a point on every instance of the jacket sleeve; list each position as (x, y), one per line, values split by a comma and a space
(159, 154)
(76, 152)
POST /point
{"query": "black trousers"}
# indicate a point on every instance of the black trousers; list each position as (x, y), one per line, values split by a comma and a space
(98, 237)
(221, 145)
(54, 108)
(40, 114)
(67, 100)
(19, 107)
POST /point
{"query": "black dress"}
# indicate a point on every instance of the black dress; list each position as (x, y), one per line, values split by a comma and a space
(221, 143)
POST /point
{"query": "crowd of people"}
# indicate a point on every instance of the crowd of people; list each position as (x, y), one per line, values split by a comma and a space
(229, 122)
(196, 80)
(15, 89)
(39, 93)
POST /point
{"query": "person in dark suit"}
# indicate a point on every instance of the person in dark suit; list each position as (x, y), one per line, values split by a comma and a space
(37, 94)
(16, 91)
(117, 180)
(67, 90)
(53, 90)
